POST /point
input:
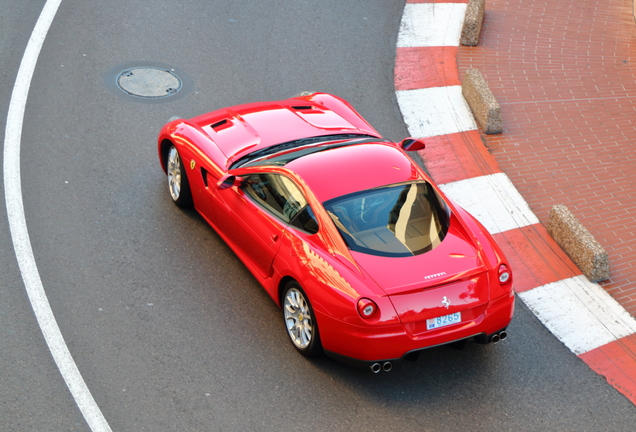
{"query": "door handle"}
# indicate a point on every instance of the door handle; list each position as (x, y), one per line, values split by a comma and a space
(274, 237)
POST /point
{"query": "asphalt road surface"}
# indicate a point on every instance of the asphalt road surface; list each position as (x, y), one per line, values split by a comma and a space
(168, 329)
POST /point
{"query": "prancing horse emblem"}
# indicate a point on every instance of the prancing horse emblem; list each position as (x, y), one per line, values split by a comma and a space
(446, 302)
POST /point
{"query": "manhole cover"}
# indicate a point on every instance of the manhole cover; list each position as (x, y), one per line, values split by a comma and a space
(149, 82)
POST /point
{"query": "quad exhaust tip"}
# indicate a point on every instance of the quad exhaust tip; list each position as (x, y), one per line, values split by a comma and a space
(377, 367)
(387, 366)
(498, 337)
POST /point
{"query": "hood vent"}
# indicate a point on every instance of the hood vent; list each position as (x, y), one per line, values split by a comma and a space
(302, 107)
(220, 125)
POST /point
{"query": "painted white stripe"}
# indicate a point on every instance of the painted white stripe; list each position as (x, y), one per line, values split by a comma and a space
(493, 200)
(431, 24)
(435, 111)
(19, 232)
(581, 314)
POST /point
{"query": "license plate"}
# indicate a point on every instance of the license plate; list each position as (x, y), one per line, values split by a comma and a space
(443, 321)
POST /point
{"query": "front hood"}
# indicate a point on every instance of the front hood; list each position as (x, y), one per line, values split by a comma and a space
(246, 128)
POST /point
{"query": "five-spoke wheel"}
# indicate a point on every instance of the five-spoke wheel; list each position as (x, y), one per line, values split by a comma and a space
(177, 179)
(300, 321)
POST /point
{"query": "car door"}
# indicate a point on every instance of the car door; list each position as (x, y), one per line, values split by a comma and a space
(254, 213)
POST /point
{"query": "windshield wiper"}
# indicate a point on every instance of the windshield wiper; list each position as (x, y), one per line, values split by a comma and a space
(293, 144)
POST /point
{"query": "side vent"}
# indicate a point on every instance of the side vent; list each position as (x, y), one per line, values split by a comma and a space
(204, 174)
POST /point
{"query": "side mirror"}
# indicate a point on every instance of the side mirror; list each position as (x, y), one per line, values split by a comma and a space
(230, 181)
(412, 144)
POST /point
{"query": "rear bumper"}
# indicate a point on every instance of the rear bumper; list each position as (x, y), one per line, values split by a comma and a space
(364, 346)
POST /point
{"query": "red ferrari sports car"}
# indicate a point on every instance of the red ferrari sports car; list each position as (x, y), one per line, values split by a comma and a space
(366, 257)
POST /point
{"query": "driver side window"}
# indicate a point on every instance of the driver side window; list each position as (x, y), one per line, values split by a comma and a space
(280, 196)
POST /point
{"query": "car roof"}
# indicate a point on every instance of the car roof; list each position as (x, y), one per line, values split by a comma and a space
(343, 170)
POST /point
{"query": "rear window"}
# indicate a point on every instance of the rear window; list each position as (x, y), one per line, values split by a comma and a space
(393, 221)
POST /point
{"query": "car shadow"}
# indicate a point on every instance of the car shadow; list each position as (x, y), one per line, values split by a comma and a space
(442, 373)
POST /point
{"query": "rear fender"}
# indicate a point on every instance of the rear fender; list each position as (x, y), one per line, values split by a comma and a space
(332, 287)
(492, 252)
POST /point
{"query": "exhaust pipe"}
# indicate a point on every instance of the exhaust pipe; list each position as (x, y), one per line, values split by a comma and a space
(498, 337)
(375, 367)
(387, 366)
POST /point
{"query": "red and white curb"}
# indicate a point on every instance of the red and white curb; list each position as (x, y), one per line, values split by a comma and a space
(579, 313)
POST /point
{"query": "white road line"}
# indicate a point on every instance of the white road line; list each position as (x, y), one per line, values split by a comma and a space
(431, 24)
(435, 111)
(20, 234)
(581, 314)
(493, 200)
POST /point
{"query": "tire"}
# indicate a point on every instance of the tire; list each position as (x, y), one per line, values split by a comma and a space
(178, 185)
(300, 321)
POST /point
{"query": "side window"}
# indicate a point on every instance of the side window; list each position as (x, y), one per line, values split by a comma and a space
(306, 221)
(280, 196)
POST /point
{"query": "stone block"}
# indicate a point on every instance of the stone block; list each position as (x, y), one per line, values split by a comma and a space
(577, 242)
(482, 102)
(473, 19)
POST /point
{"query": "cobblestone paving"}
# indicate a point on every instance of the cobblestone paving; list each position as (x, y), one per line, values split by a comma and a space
(564, 74)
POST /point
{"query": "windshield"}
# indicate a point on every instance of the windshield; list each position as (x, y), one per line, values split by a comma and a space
(280, 154)
(400, 220)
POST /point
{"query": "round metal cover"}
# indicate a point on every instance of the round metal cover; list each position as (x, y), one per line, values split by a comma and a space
(149, 82)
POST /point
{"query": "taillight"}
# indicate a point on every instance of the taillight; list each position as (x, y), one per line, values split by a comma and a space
(504, 274)
(366, 308)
